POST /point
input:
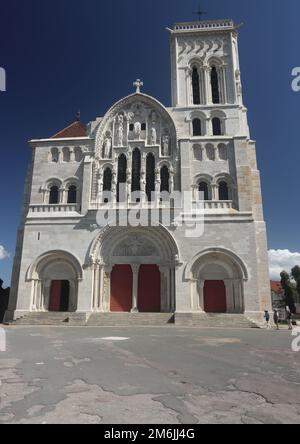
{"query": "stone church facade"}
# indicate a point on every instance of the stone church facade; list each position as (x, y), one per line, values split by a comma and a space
(71, 258)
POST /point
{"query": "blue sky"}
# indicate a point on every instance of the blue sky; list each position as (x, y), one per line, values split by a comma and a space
(62, 55)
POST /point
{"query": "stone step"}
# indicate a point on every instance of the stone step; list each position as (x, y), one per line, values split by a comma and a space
(213, 320)
(68, 319)
(130, 319)
(137, 319)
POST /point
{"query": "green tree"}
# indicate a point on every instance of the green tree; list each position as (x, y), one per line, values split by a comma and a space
(296, 276)
(289, 291)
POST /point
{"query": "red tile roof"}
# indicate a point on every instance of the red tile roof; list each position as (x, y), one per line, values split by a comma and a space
(76, 129)
(276, 287)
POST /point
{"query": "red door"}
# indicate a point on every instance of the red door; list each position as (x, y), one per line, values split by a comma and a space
(55, 294)
(215, 297)
(149, 297)
(121, 289)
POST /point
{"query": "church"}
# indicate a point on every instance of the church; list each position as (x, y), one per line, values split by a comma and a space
(107, 233)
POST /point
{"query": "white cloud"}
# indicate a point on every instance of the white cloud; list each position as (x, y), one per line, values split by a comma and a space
(3, 253)
(282, 260)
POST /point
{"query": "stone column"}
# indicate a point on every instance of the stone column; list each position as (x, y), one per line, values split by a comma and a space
(200, 295)
(157, 186)
(172, 295)
(188, 88)
(96, 286)
(238, 296)
(207, 85)
(215, 191)
(107, 288)
(143, 179)
(100, 187)
(33, 296)
(114, 185)
(63, 195)
(100, 302)
(229, 295)
(135, 271)
(165, 289)
(86, 185)
(223, 83)
(44, 297)
(203, 97)
(171, 182)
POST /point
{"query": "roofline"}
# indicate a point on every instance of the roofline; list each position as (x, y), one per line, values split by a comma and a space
(65, 139)
(67, 127)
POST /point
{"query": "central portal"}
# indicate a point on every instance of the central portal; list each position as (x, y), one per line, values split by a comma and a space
(135, 270)
(135, 288)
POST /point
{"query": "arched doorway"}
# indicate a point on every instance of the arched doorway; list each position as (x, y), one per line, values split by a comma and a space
(55, 276)
(139, 262)
(217, 282)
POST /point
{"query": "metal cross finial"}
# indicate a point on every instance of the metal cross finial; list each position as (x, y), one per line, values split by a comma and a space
(78, 115)
(200, 12)
(138, 84)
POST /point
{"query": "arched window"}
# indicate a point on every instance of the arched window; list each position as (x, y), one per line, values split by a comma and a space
(217, 126)
(197, 130)
(203, 191)
(107, 180)
(223, 191)
(122, 176)
(150, 176)
(196, 86)
(72, 194)
(66, 155)
(78, 154)
(164, 179)
(54, 195)
(54, 155)
(136, 171)
(107, 184)
(215, 87)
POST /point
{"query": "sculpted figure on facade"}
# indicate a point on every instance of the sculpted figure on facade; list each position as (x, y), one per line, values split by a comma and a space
(153, 134)
(238, 82)
(137, 130)
(166, 145)
(107, 147)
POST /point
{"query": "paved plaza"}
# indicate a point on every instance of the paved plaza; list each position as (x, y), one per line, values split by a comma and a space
(168, 375)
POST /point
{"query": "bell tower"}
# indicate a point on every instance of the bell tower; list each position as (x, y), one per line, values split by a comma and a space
(205, 64)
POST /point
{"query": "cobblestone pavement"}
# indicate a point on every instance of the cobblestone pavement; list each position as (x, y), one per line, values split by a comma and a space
(148, 376)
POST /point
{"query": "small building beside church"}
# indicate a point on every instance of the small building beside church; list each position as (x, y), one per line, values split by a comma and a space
(70, 258)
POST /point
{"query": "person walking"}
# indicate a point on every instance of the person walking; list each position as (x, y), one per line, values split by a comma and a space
(276, 319)
(267, 318)
(289, 318)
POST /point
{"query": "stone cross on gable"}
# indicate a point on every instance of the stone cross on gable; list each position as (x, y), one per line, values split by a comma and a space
(138, 84)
